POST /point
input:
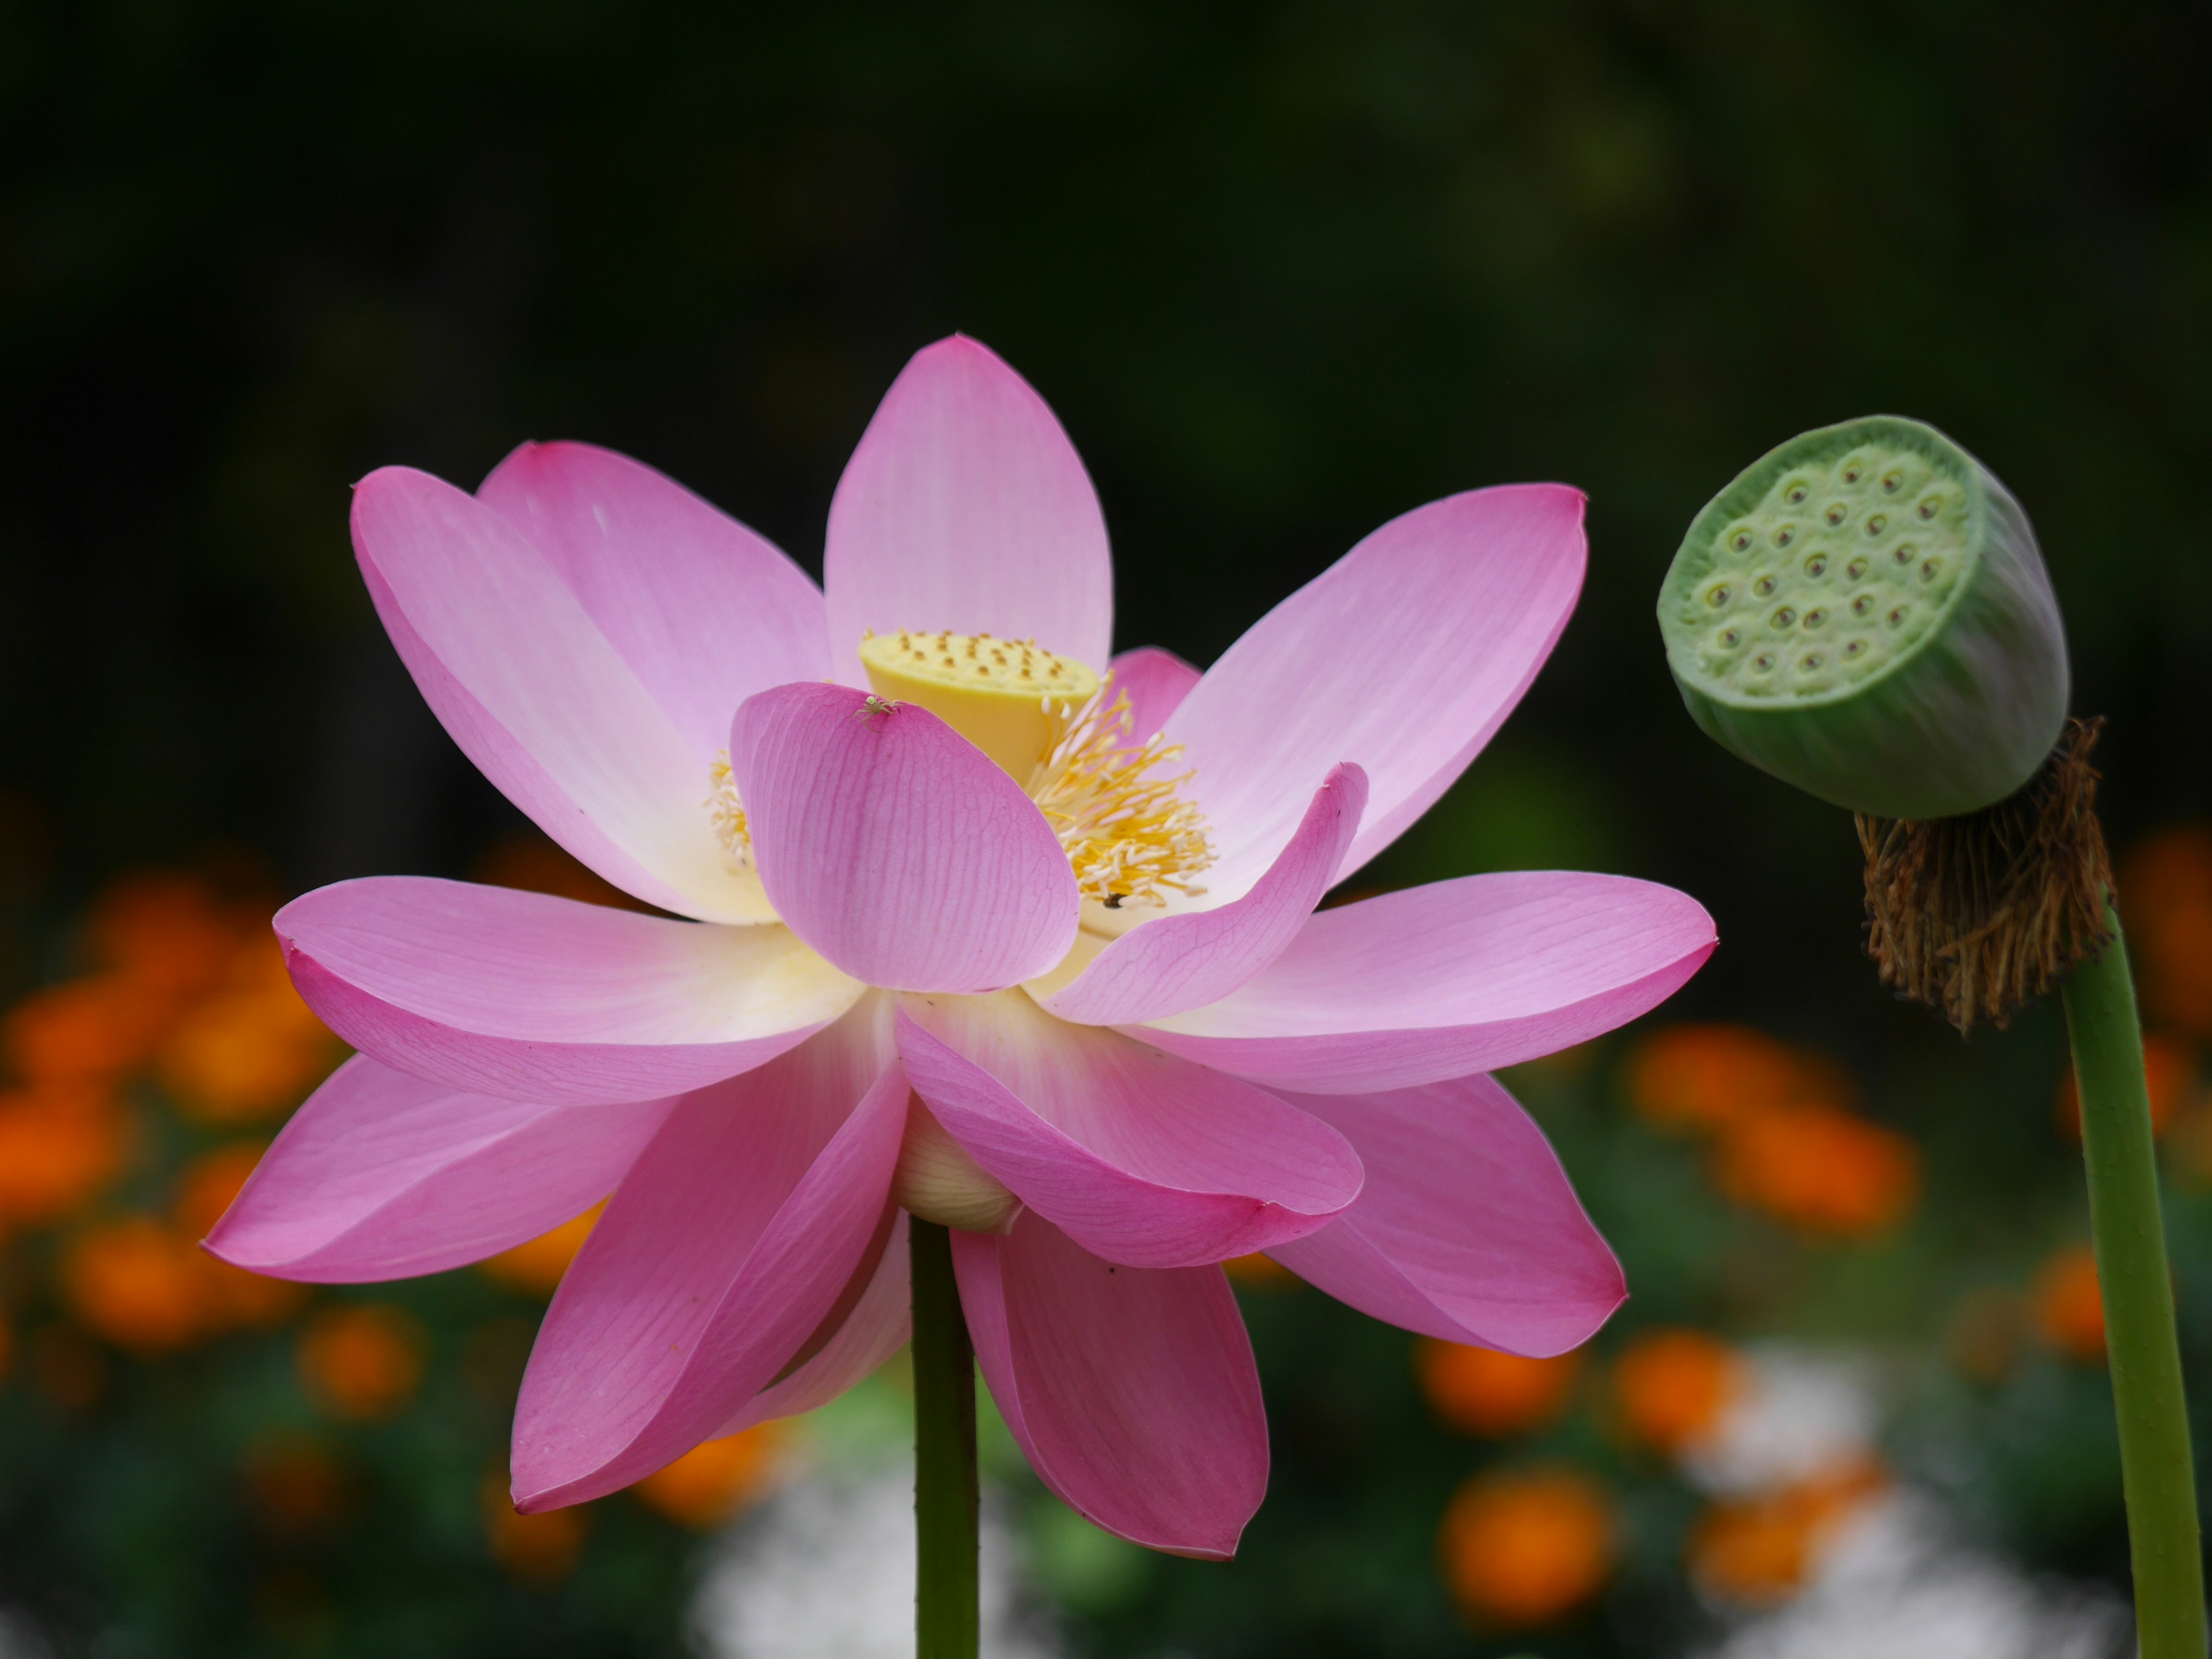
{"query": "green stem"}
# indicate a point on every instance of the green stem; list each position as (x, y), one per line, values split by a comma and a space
(944, 1497)
(2157, 1472)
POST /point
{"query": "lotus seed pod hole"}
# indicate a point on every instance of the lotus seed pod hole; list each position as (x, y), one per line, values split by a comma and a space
(1813, 539)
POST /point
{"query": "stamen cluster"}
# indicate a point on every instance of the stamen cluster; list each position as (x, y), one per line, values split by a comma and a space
(1131, 838)
(727, 813)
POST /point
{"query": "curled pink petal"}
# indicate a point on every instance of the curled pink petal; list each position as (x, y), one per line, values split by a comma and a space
(1404, 656)
(1139, 1157)
(382, 1176)
(865, 1338)
(966, 508)
(894, 847)
(531, 691)
(1441, 980)
(734, 1238)
(1467, 1229)
(705, 611)
(1132, 1391)
(1155, 681)
(496, 991)
(1182, 961)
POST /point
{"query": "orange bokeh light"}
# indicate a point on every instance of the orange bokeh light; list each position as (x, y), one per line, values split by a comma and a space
(1671, 1386)
(715, 1480)
(1525, 1549)
(1481, 1391)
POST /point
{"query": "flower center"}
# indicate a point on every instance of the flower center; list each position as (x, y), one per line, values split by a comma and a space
(1061, 733)
(1008, 698)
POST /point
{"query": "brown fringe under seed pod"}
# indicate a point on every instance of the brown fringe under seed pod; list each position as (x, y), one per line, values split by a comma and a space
(1976, 916)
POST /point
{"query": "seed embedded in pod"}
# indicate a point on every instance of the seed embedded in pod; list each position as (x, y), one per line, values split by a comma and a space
(1797, 495)
(1837, 514)
(1813, 659)
(1952, 698)
(1730, 639)
(1719, 597)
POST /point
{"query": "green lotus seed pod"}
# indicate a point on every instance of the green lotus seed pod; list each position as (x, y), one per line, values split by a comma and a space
(1865, 613)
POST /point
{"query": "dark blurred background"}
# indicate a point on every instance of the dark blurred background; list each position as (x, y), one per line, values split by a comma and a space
(1283, 272)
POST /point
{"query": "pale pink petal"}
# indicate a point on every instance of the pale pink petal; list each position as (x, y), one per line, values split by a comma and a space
(1142, 1158)
(382, 1176)
(966, 508)
(894, 847)
(1403, 656)
(736, 1235)
(1156, 681)
(1459, 976)
(1182, 961)
(864, 1340)
(1466, 1230)
(530, 687)
(1132, 1391)
(497, 991)
(705, 611)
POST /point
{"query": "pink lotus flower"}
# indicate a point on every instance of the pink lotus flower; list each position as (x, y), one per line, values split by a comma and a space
(1077, 1004)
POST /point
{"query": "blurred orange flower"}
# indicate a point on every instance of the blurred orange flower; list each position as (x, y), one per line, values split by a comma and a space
(137, 1284)
(1821, 1169)
(1759, 1552)
(2069, 1307)
(297, 1487)
(1481, 1391)
(1709, 1076)
(362, 1361)
(251, 1049)
(1671, 1386)
(1525, 1547)
(539, 1549)
(166, 932)
(712, 1482)
(2165, 899)
(57, 1150)
(2169, 1069)
(1262, 1272)
(84, 1033)
(535, 1268)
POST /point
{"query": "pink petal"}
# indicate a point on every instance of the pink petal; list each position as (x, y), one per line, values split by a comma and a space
(1156, 682)
(531, 691)
(1182, 961)
(502, 993)
(1132, 1391)
(877, 1329)
(894, 847)
(734, 1236)
(382, 1176)
(966, 508)
(1141, 1158)
(1466, 1229)
(1404, 656)
(703, 609)
(1458, 977)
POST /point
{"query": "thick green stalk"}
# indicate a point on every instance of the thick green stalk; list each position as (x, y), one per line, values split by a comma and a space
(2157, 1472)
(944, 1495)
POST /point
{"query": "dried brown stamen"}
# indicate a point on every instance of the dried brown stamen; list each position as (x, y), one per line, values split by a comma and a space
(1978, 915)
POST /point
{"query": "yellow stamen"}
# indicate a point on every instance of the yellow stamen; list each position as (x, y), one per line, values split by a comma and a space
(1131, 838)
(727, 813)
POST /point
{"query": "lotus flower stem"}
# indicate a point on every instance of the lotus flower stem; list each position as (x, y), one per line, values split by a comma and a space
(2157, 1470)
(945, 1624)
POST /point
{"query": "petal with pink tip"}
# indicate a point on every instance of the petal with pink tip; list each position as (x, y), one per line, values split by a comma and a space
(1156, 682)
(1467, 1229)
(382, 1176)
(735, 1235)
(705, 611)
(1140, 1157)
(1455, 977)
(1132, 1391)
(894, 847)
(1404, 656)
(530, 687)
(1181, 961)
(869, 1335)
(540, 999)
(966, 508)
